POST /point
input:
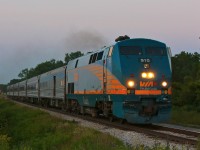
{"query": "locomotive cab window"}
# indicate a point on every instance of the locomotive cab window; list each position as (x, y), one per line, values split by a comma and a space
(130, 50)
(76, 63)
(90, 61)
(156, 51)
(100, 55)
(94, 58)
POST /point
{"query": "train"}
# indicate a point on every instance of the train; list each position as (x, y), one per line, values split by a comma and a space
(129, 80)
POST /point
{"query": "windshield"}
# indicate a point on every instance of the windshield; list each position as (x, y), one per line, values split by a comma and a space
(137, 50)
(157, 51)
(130, 50)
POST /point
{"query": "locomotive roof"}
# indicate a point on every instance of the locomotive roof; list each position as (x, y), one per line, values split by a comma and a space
(139, 40)
(84, 60)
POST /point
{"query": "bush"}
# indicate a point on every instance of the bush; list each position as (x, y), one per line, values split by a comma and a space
(198, 109)
(184, 117)
(4, 142)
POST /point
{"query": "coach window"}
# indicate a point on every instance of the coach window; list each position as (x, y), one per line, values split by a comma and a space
(21, 88)
(76, 63)
(100, 55)
(110, 52)
(36, 86)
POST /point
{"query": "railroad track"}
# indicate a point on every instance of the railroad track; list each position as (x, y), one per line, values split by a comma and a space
(179, 136)
(191, 138)
(153, 133)
(176, 130)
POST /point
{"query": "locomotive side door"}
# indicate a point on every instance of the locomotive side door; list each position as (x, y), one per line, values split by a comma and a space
(104, 75)
(54, 86)
(105, 65)
(105, 72)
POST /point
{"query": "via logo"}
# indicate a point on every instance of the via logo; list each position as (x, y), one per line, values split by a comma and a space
(147, 84)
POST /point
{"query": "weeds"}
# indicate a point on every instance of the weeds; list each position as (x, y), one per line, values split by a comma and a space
(23, 128)
(26, 129)
(185, 117)
(198, 145)
(4, 142)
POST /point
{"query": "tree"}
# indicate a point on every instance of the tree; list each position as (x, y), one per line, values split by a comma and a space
(23, 74)
(13, 81)
(186, 79)
(45, 67)
(2, 88)
(185, 64)
(72, 55)
(40, 69)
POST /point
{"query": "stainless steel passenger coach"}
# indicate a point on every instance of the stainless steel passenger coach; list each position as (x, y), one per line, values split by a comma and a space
(130, 80)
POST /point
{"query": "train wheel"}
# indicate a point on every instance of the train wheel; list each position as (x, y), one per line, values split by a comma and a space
(111, 118)
(78, 109)
(122, 121)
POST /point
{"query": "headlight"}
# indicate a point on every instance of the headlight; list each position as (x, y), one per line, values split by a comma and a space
(150, 75)
(144, 75)
(146, 66)
(164, 83)
(131, 84)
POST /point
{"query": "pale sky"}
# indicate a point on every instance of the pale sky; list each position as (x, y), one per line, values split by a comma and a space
(33, 31)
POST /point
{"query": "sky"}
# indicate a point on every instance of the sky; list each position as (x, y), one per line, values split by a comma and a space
(34, 31)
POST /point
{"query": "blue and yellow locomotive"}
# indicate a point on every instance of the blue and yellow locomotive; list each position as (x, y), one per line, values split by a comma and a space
(130, 80)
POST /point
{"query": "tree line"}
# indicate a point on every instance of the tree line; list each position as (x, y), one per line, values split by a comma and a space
(186, 80)
(185, 76)
(45, 67)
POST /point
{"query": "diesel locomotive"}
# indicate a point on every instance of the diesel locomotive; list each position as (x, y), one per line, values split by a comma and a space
(129, 80)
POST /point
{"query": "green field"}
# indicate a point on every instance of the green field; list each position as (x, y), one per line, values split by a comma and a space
(23, 128)
(185, 116)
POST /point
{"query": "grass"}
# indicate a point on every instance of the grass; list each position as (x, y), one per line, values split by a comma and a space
(198, 145)
(185, 117)
(23, 128)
